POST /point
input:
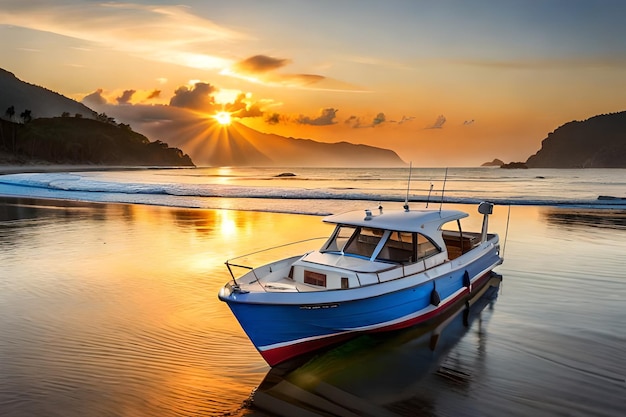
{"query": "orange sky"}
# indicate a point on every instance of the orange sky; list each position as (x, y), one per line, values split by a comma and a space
(450, 83)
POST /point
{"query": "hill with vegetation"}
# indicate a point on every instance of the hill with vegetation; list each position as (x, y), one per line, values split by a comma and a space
(598, 142)
(32, 101)
(77, 140)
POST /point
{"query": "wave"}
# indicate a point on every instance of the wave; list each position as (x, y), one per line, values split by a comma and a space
(84, 188)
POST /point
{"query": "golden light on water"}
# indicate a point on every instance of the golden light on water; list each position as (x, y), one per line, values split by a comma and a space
(228, 227)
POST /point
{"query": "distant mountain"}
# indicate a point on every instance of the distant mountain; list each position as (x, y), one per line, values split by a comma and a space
(241, 145)
(598, 142)
(40, 101)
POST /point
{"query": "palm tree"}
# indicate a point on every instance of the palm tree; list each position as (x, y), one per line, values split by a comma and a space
(26, 116)
(10, 112)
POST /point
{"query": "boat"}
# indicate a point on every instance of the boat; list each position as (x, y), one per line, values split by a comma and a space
(378, 271)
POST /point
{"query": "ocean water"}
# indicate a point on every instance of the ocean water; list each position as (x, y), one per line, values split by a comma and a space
(109, 281)
(324, 190)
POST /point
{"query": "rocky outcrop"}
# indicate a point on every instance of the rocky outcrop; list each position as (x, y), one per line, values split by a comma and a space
(495, 163)
(598, 142)
(514, 165)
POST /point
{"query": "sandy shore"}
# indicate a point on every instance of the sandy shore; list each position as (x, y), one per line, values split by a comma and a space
(36, 168)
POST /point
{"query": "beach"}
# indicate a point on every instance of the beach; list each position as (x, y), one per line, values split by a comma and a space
(112, 309)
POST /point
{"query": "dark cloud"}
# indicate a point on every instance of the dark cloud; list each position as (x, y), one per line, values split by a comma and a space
(242, 108)
(94, 99)
(275, 118)
(380, 118)
(198, 97)
(154, 94)
(352, 120)
(260, 64)
(265, 69)
(326, 117)
(356, 122)
(125, 97)
(438, 124)
(468, 122)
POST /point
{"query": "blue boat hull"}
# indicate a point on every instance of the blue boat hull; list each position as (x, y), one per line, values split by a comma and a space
(283, 326)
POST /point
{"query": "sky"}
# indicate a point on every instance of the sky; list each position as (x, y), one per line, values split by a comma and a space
(442, 83)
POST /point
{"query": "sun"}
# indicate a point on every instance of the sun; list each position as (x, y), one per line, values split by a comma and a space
(222, 117)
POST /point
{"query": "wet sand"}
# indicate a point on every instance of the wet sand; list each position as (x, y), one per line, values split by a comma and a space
(37, 168)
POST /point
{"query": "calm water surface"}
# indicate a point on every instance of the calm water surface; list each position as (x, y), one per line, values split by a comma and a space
(112, 310)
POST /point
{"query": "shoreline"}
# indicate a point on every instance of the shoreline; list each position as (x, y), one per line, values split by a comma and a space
(6, 169)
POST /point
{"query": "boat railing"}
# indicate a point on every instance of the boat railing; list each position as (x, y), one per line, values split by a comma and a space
(240, 261)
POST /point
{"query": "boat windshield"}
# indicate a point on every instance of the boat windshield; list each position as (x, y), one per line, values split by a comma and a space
(354, 240)
(397, 247)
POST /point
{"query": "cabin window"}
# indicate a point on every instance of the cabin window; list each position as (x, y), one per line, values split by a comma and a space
(425, 247)
(407, 247)
(345, 283)
(400, 247)
(314, 278)
(339, 239)
(364, 242)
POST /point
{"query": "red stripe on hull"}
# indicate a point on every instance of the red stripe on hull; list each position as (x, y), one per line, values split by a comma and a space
(281, 354)
(476, 285)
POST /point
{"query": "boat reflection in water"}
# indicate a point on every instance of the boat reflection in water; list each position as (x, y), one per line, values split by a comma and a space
(377, 374)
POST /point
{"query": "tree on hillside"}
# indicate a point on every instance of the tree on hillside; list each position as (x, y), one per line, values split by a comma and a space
(26, 116)
(10, 112)
(106, 119)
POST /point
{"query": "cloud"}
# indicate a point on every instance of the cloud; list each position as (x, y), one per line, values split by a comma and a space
(380, 118)
(265, 69)
(326, 117)
(198, 97)
(260, 64)
(275, 118)
(357, 123)
(162, 33)
(125, 97)
(154, 94)
(201, 96)
(95, 98)
(243, 107)
(438, 124)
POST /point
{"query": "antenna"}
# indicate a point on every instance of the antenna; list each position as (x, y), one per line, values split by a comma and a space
(429, 191)
(443, 190)
(408, 185)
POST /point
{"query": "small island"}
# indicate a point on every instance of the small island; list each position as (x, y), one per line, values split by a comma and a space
(495, 163)
(514, 165)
